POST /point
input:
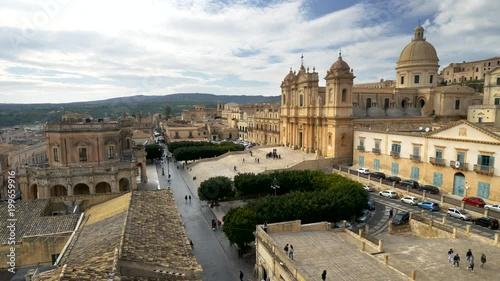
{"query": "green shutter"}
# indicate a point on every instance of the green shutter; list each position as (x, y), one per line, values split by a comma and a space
(492, 162)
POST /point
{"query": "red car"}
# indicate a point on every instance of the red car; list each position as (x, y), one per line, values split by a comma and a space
(476, 201)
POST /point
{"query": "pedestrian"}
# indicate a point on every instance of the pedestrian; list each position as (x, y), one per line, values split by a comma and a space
(323, 275)
(290, 255)
(258, 161)
(189, 197)
(191, 243)
(265, 226)
(186, 197)
(468, 255)
(450, 255)
(241, 275)
(456, 260)
(390, 213)
(471, 264)
(286, 249)
(219, 224)
(483, 260)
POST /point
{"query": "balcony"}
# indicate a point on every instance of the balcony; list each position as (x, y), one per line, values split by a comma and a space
(395, 154)
(437, 161)
(376, 150)
(361, 148)
(459, 165)
(416, 158)
(483, 169)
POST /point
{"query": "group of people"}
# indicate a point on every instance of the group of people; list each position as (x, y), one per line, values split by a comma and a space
(289, 250)
(470, 259)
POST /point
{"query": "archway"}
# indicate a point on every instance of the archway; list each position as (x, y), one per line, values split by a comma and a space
(81, 188)
(368, 103)
(404, 103)
(103, 187)
(58, 190)
(458, 184)
(421, 103)
(33, 194)
(387, 103)
(123, 184)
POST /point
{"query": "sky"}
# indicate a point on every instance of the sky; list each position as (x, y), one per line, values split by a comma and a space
(57, 51)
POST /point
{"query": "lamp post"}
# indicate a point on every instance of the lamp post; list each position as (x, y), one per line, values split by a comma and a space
(275, 185)
(465, 189)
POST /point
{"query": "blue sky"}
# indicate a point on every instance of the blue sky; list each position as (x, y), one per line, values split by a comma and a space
(76, 50)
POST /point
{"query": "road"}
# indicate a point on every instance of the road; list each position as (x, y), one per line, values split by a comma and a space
(213, 251)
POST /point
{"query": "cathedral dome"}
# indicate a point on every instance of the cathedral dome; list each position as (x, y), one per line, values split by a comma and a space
(340, 64)
(418, 50)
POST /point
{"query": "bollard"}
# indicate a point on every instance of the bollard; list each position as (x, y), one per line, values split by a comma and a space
(413, 275)
(431, 223)
(496, 238)
(380, 245)
(390, 228)
(367, 228)
(363, 244)
(360, 233)
(422, 213)
(486, 212)
(411, 216)
(424, 194)
(454, 233)
(344, 224)
(467, 229)
(444, 220)
(442, 200)
(386, 260)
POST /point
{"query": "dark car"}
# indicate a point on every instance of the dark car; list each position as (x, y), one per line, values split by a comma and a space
(491, 223)
(377, 175)
(394, 179)
(409, 183)
(476, 201)
(370, 205)
(401, 218)
(429, 188)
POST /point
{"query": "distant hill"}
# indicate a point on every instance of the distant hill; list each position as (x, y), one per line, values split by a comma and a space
(19, 114)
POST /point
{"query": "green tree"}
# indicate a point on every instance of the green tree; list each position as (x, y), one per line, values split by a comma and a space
(154, 151)
(239, 226)
(216, 188)
(168, 111)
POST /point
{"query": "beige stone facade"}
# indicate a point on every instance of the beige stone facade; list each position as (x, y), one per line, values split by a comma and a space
(85, 158)
(264, 126)
(200, 113)
(467, 71)
(460, 158)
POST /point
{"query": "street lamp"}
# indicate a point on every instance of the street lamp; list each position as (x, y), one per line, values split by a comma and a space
(275, 185)
(465, 189)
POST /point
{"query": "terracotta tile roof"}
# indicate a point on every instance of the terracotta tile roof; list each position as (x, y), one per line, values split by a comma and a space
(31, 220)
(155, 235)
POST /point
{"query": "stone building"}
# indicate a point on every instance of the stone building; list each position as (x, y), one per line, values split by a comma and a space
(201, 113)
(264, 125)
(467, 71)
(85, 157)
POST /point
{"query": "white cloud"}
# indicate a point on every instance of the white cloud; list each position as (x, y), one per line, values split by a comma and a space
(100, 49)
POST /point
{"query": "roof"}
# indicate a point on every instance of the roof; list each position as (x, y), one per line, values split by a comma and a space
(138, 134)
(418, 50)
(30, 220)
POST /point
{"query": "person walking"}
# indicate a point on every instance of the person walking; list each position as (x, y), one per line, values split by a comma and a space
(468, 255)
(186, 197)
(286, 249)
(323, 275)
(391, 212)
(290, 255)
(241, 275)
(189, 197)
(450, 255)
(483, 260)
(456, 260)
(471, 263)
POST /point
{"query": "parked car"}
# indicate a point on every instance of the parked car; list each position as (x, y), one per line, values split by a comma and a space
(388, 193)
(429, 205)
(410, 200)
(365, 215)
(393, 178)
(377, 175)
(494, 207)
(347, 225)
(476, 201)
(368, 188)
(459, 214)
(370, 205)
(364, 171)
(401, 218)
(409, 183)
(429, 188)
(491, 223)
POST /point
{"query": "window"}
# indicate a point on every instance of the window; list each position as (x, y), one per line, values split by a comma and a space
(480, 120)
(362, 142)
(301, 100)
(439, 154)
(498, 80)
(128, 143)
(368, 103)
(82, 152)
(361, 160)
(176, 135)
(377, 144)
(497, 101)
(344, 95)
(414, 173)
(477, 69)
(437, 179)
(483, 189)
(190, 134)
(396, 147)
(395, 169)
(376, 164)
(56, 154)
(402, 80)
(461, 157)
(457, 104)
(111, 151)
(417, 79)
(431, 78)
(416, 151)
(486, 160)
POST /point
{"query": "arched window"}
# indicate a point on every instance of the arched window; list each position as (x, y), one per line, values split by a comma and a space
(301, 100)
(344, 95)
(457, 104)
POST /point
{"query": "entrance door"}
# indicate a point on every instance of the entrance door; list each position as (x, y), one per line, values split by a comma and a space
(458, 184)
(300, 140)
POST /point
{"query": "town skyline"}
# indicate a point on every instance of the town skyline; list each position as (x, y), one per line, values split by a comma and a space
(70, 51)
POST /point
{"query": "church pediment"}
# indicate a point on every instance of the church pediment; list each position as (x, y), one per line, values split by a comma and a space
(464, 130)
